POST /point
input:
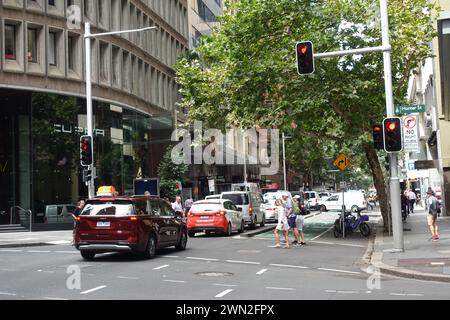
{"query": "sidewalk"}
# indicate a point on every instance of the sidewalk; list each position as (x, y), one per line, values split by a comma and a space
(422, 259)
(25, 239)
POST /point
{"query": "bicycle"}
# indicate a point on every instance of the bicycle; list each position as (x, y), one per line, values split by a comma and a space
(351, 225)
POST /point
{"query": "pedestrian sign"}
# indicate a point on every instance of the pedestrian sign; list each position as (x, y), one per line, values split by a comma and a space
(342, 161)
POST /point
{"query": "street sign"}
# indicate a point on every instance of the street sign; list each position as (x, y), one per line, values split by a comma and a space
(342, 161)
(211, 184)
(407, 109)
(410, 134)
(426, 164)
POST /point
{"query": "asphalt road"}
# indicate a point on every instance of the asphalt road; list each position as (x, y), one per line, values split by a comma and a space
(211, 268)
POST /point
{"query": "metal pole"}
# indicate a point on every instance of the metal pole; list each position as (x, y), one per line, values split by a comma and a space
(397, 224)
(89, 116)
(284, 164)
(245, 159)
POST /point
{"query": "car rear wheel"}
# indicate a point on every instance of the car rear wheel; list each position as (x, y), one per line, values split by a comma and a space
(241, 229)
(181, 245)
(263, 222)
(87, 255)
(150, 250)
(229, 230)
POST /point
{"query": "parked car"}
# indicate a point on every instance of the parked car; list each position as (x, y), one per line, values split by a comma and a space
(313, 199)
(137, 224)
(324, 194)
(213, 196)
(59, 213)
(251, 204)
(354, 202)
(269, 206)
(214, 216)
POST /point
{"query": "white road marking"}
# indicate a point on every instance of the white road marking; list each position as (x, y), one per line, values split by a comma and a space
(278, 288)
(343, 291)
(5, 269)
(59, 242)
(322, 233)
(351, 245)
(323, 242)
(224, 285)
(66, 252)
(92, 290)
(45, 271)
(26, 239)
(206, 259)
(7, 294)
(261, 271)
(415, 294)
(178, 281)
(51, 298)
(437, 263)
(330, 291)
(161, 267)
(245, 262)
(170, 256)
(10, 250)
(397, 294)
(128, 278)
(39, 251)
(337, 270)
(288, 266)
(223, 293)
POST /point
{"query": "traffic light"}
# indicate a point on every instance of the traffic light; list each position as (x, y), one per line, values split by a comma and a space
(305, 57)
(86, 150)
(87, 175)
(377, 132)
(392, 133)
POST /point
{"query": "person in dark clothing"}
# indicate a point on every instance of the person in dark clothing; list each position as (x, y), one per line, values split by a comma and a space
(75, 214)
(405, 205)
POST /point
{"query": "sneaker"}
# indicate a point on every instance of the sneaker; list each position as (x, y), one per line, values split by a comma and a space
(303, 243)
(435, 239)
(295, 242)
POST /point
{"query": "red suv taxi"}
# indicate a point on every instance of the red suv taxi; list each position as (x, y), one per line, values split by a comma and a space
(138, 224)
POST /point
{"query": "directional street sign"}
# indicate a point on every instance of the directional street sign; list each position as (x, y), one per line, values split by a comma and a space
(410, 134)
(342, 161)
(407, 109)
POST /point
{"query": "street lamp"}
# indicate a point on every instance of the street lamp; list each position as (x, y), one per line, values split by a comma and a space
(284, 160)
(87, 39)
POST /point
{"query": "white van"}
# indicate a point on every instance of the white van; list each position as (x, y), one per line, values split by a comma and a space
(354, 202)
(251, 204)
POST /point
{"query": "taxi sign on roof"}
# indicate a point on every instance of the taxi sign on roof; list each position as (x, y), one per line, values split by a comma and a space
(105, 191)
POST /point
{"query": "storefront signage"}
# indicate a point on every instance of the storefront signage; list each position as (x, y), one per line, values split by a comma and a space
(79, 130)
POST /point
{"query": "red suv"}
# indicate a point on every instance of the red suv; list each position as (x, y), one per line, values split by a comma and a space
(137, 224)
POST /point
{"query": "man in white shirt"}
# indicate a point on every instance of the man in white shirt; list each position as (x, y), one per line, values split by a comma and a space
(412, 199)
(177, 205)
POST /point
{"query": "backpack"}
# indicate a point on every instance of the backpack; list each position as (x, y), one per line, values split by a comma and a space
(295, 207)
(434, 207)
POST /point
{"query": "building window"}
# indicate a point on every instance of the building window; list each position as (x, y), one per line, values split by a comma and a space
(104, 62)
(51, 2)
(71, 52)
(116, 66)
(32, 45)
(52, 45)
(10, 41)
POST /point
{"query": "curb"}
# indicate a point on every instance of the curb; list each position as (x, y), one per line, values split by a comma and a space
(30, 244)
(376, 260)
(269, 228)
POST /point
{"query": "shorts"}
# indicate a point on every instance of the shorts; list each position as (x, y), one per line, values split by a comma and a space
(282, 225)
(299, 222)
(431, 219)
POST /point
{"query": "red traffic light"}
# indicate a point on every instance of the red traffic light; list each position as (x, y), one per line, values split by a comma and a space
(302, 49)
(391, 126)
(376, 128)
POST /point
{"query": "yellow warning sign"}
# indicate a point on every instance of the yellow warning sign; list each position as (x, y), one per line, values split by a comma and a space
(342, 161)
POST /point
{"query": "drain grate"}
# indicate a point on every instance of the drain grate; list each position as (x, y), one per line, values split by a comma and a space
(214, 274)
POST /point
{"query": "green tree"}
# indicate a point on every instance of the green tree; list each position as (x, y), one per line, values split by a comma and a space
(245, 73)
(169, 173)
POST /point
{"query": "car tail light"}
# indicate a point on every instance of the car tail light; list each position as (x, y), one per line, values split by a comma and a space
(250, 210)
(77, 218)
(133, 218)
(220, 213)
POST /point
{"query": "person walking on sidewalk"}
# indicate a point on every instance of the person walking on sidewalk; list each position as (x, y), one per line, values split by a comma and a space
(433, 207)
(282, 224)
(297, 223)
(412, 200)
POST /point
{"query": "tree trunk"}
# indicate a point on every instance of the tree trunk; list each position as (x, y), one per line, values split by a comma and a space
(378, 180)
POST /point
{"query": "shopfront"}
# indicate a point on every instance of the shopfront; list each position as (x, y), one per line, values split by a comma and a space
(39, 151)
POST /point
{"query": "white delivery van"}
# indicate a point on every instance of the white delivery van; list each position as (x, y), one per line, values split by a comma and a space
(354, 202)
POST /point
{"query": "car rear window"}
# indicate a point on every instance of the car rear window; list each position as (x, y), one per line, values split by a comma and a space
(239, 199)
(205, 207)
(118, 208)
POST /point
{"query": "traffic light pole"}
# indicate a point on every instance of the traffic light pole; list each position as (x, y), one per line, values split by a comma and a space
(394, 182)
(89, 117)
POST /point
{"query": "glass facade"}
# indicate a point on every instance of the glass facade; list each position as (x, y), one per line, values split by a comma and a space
(39, 150)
